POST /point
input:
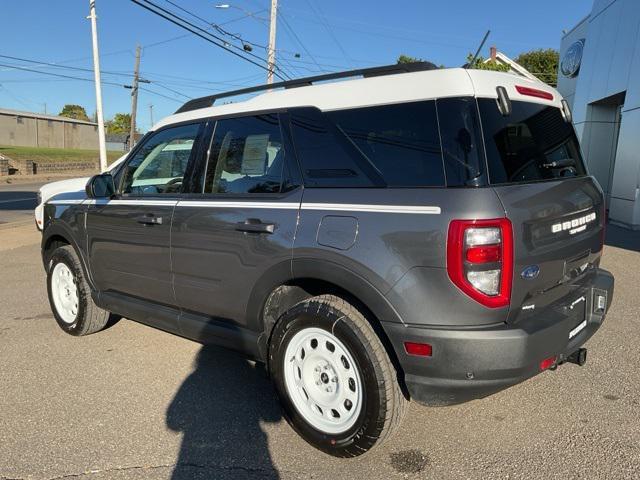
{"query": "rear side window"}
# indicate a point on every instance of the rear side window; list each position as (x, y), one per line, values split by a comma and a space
(246, 156)
(534, 143)
(400, 141)
(326, 161)
(382, 146)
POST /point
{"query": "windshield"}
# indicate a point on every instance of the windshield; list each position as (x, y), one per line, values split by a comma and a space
(534, 143)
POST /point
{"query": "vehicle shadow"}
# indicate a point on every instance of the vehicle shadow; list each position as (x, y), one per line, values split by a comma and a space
(622, 238)
(219, 409)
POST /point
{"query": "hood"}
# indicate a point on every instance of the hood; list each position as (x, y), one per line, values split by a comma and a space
(75, 185)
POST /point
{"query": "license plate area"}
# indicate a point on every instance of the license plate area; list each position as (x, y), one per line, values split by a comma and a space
(578, 311)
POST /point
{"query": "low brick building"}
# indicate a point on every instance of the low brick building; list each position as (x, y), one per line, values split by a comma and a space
(28, 129)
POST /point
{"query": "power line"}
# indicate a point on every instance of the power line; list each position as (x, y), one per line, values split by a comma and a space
(60, 75)
(68, 67)
(297, 39)
(222, 31)
(176, 20)
(161, 95)
(326, 25)
(172, 90)
(83, 79)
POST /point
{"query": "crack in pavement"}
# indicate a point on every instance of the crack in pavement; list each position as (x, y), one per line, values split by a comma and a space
(250, 470)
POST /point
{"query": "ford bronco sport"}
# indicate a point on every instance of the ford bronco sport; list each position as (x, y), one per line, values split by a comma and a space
(415, 234)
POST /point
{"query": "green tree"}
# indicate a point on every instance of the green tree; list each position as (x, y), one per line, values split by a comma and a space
(542, 63)
(408, 59)
(121, 123)
(74, 111)
(480, 63)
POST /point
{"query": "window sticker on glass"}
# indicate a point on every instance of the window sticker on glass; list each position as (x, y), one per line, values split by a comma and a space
(255, 154)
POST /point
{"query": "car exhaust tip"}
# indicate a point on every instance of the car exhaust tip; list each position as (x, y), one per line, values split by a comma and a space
(579, 357)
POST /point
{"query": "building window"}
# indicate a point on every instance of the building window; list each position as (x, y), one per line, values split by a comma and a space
(75, 125)
(20, 120)
(50, 123)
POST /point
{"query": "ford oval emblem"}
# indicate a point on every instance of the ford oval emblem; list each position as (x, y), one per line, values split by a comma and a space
(530, 272)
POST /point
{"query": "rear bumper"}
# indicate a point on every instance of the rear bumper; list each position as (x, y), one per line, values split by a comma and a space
(472, 363)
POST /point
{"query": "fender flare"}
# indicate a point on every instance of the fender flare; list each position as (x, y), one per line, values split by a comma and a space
(312, 269)
(348, 280)
(61, 229)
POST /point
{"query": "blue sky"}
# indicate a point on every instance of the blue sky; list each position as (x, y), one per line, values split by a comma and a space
(337, 35)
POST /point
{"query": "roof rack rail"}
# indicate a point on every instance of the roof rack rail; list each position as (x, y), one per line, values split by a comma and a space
(209, 100)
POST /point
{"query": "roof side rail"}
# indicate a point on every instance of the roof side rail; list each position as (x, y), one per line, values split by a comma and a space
(209, 100)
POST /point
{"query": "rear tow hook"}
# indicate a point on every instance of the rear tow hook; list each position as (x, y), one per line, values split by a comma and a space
(579, 357)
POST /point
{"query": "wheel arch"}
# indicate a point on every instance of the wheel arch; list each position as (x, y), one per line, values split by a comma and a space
(56, 235)
(310, 278)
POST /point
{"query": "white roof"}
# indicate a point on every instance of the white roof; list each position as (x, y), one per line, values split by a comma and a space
(43, 116)
(382, 90)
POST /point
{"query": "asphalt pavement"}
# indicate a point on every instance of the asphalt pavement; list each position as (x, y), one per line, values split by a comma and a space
(17, 202)
(132, 402)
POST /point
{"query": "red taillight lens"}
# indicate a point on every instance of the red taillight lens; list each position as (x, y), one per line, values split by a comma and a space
(548, 363)
(480, 259)
(419, 349)
(488, 254)
(534, 92)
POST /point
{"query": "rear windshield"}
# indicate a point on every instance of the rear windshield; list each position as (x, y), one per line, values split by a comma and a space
(532, 144)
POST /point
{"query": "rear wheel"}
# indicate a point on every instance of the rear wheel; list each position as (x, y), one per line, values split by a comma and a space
(70, 295)
(337, 385)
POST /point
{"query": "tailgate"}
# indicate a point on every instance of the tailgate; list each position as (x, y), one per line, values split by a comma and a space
(558, 230)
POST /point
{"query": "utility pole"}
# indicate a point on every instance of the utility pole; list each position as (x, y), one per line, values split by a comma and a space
(134, 100)
(271, 52)
(96, 73)
(151, 114)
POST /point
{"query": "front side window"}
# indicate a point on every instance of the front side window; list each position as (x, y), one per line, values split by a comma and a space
(159, 165)
(246, 156)
(534, 143)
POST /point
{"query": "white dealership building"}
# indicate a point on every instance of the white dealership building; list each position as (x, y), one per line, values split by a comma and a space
(600, 77)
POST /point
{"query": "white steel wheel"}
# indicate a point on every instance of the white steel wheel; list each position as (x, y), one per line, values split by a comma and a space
(64, 292)
(322, 380)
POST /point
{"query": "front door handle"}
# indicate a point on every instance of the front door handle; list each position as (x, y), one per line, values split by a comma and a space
(149, 219)
(254, 225)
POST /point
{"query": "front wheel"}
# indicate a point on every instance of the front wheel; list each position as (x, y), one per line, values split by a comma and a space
(337, 385)
(70, 294)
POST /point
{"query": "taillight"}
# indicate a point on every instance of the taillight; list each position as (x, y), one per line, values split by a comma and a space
(480, 259)
(534, 92)
(418, 349)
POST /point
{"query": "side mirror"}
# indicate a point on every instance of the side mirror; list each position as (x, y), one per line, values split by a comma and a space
(101, 186)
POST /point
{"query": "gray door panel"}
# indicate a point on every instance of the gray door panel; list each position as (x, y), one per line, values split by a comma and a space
(222, 247)
(128, 245)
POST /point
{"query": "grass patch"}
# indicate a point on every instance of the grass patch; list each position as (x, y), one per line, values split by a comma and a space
(41, 154)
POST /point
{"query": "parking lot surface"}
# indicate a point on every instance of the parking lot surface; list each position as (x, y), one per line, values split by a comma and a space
(133, 402)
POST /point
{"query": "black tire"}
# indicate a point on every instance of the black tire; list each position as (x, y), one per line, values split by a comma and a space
(89, 317)
(384, 404)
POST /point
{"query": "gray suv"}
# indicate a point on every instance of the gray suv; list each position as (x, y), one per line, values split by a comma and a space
(426, 235)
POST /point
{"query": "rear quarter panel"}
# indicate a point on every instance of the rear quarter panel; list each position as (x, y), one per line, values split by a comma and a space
(402, 255)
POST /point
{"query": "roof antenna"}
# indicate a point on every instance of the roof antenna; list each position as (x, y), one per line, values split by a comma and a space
(473, 60)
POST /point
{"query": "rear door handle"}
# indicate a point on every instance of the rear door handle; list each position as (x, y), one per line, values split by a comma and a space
(149, 219)
(254, 225)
